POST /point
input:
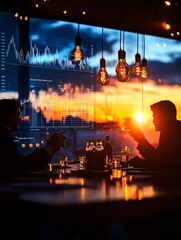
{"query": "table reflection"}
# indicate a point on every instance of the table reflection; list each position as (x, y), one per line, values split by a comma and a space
(119, 186)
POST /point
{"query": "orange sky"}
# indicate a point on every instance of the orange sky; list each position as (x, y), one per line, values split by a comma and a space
(115, 102)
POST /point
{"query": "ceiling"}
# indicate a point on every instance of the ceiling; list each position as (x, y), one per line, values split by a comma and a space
(136, 16)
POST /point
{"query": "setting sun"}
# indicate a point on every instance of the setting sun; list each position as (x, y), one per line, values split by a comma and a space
(139, 117)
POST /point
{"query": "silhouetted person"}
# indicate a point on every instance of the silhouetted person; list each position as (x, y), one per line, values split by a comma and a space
(15, 221)
(166, 158)
(12, 162)
(167, 155)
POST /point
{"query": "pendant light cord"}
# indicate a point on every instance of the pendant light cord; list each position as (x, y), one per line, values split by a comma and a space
(144, 46)
(137, 42)
(142, 93)
(123, 39)
(120, 37)
(102, 42)
(78, 30)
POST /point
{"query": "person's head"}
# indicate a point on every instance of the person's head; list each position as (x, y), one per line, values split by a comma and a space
(10, 113)
(164, 112)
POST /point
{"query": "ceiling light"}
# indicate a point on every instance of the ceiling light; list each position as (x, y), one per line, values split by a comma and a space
(136, 69)
(122, 68)
(77, 54)
(102, 77)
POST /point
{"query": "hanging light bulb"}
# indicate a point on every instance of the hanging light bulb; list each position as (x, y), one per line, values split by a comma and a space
(136, 69)
(102, 77)
(122, 68)
(144, 73)
(77, 54)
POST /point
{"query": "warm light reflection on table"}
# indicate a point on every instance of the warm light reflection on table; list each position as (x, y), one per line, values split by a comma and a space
(118, 187)
(123, 194)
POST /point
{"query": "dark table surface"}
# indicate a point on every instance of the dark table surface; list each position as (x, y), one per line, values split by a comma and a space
(70, 194)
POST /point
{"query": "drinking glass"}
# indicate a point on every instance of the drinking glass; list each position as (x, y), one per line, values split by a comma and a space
(125, 156)
(116, 161)
(82, 161)
(64, 162)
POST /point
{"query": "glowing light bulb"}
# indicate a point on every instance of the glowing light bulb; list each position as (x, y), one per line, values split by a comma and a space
(144, 73)
(102, 77)
(137, 68)
(122, 68)
(77, 54)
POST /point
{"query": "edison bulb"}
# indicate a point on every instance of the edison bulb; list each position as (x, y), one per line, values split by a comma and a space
(77, 54)
(137, 68)
(144, 73)
(102, 77)
(122, 68)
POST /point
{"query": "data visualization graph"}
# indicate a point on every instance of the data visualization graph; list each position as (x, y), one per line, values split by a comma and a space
(57, 92)
(54, 93)
(9, 67)
(44, 56)
(61, 93)
(67, 104)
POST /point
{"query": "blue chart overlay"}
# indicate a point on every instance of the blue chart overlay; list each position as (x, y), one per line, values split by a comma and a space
(61, 93)
(9, 36)
(54, 93)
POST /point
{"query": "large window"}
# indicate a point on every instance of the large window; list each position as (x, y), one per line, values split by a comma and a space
(62, 96)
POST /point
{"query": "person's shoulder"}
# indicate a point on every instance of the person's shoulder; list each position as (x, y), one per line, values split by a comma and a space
(178, 123)
(178, 126)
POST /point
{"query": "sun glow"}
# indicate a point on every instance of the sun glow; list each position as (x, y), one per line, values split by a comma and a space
(139, 117)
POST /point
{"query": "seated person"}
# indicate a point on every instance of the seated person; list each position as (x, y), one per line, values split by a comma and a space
(16, 220)
(12, 162)
(167, 156)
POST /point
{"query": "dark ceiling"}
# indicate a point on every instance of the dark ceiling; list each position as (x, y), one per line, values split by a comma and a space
(136, 16)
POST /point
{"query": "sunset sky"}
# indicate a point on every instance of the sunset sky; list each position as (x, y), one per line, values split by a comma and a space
(58, 88)
(119, 100)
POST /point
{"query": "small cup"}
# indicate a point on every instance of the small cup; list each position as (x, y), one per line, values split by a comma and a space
(63, 162)
(82, 161)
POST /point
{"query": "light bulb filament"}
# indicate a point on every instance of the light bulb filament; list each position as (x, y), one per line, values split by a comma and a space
(122, 68)
(102, 77)
(144, 73)
(137, 68)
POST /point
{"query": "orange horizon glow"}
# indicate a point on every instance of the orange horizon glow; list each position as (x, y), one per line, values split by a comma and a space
(114, 103)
